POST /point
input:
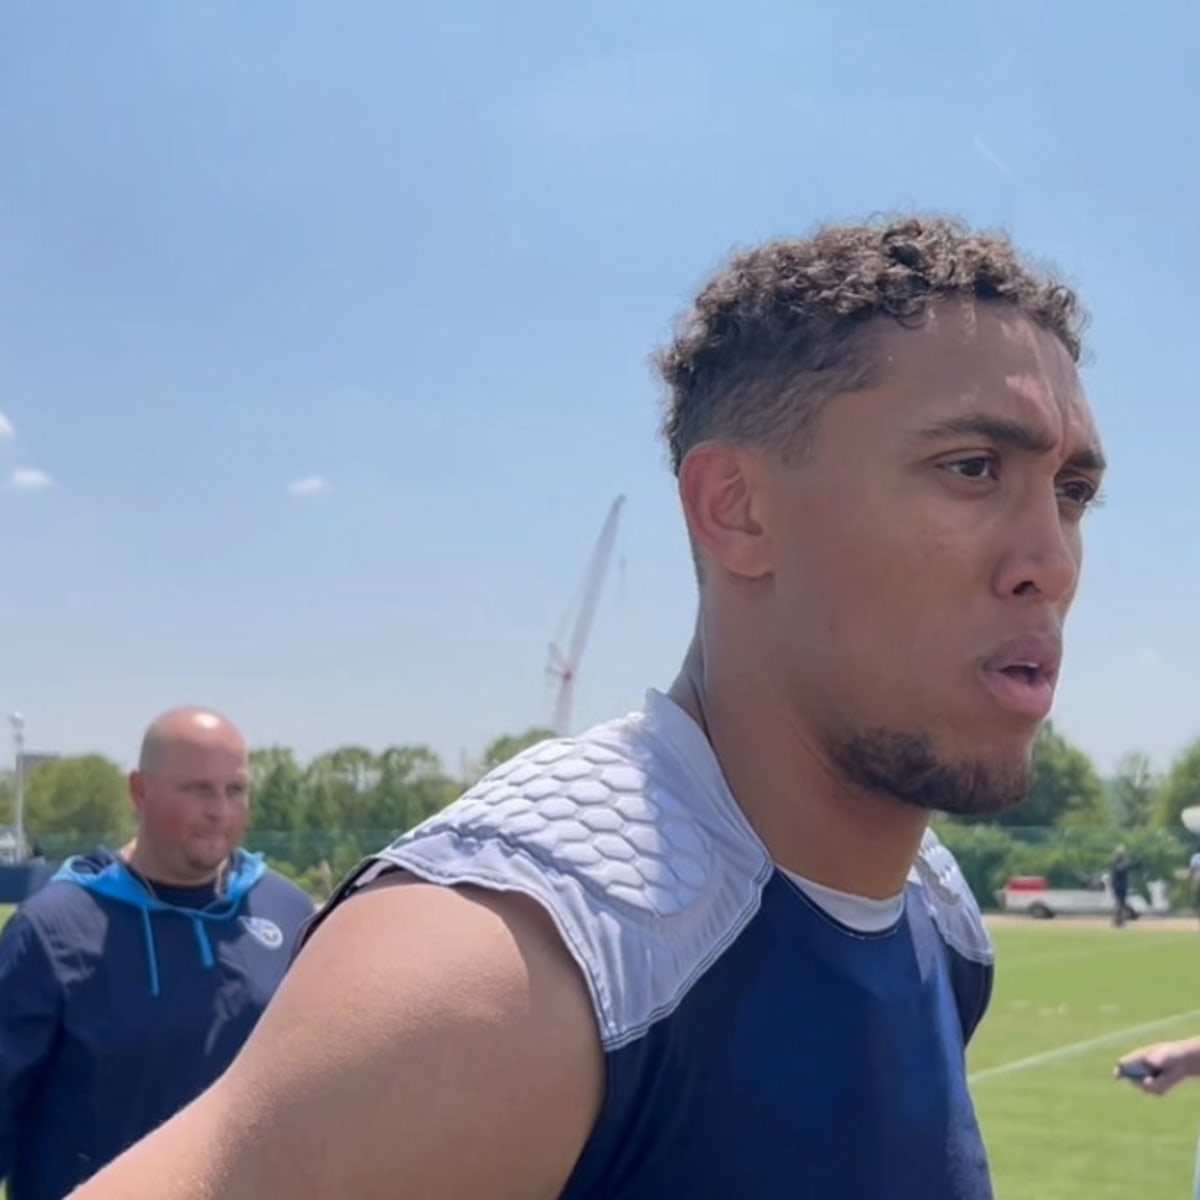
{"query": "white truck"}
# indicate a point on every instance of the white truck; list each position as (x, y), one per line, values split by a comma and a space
(1032, 894)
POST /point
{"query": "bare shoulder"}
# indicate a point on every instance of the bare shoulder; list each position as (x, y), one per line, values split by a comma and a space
(437, 1038)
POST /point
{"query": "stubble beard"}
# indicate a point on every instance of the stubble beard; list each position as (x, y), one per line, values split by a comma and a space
(206, 861)
(907, 767)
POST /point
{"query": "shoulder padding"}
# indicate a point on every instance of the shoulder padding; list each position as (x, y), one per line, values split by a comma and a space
(647, 873)
(950, 901)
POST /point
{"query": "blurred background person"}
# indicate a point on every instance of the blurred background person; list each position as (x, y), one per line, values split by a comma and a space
(131, 980)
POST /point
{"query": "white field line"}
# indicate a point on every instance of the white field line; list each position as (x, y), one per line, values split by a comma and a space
(1117, 1035)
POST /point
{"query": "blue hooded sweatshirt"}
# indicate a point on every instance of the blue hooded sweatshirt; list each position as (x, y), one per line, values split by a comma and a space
(118, 1007)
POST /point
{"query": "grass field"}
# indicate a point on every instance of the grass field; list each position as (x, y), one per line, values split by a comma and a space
(1070, 998)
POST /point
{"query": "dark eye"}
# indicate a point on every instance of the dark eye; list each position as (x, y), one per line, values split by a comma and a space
(978, 466)
(1080, 492)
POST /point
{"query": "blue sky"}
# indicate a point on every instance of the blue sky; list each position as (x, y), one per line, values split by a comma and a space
(423, 252)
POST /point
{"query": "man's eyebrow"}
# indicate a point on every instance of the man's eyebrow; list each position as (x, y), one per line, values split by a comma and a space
(1003, 431)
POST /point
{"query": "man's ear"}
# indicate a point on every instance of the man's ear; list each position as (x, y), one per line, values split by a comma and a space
(723, 504)
(137, 789)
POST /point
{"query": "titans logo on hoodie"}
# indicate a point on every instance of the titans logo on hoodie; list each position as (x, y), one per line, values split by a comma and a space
(118, 1007)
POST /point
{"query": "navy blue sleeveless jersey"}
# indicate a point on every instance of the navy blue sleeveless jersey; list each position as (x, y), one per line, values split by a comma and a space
(755, 1047)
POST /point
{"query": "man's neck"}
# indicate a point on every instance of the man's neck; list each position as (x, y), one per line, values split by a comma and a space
(147, 864)
(810, 819)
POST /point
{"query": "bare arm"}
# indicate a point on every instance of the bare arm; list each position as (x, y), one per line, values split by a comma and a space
(429, 1043)
(1172, 1062)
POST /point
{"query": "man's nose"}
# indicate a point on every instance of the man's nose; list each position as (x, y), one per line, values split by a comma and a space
(1044, 558)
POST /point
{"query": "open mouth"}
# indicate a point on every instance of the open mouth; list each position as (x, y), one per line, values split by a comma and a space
(1028, 673)
(1022, 675)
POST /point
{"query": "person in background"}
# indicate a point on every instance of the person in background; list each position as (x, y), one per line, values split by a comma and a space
(1194, 882)
(131, 980)
(712, 949)
(1119, 882)
(1158, 1069)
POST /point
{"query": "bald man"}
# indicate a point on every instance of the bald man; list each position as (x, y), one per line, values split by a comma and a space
(130, 982)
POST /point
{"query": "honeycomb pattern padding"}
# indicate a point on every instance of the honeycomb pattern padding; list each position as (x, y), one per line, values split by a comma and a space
(583, 807)
(631, 841)
(950, 902)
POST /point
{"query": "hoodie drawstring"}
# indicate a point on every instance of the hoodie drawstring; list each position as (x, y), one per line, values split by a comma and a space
(206, 953)
(151, 955)
(202, 940)
(109, 876)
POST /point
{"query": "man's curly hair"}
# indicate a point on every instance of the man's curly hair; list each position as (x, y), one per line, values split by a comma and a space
(781, 329)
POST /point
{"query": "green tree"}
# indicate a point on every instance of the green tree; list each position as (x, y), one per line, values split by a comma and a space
(6, 799)
(80, 795)
(278, 797)
(351, 790)
(1181, 788)
(413, 785)
(1134, 791)
(1066, 787)
(341, 785)
(510, 745)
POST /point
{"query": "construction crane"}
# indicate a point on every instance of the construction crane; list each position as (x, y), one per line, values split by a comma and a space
(564, 664)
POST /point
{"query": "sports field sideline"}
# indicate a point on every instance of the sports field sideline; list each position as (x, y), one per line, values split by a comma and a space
(1070, 997)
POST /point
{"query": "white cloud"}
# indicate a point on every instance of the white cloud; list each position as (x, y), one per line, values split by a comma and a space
(310, 485)
(6, 428)
(29, 479)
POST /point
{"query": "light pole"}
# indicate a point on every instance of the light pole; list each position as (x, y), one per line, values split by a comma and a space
(18, 727)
